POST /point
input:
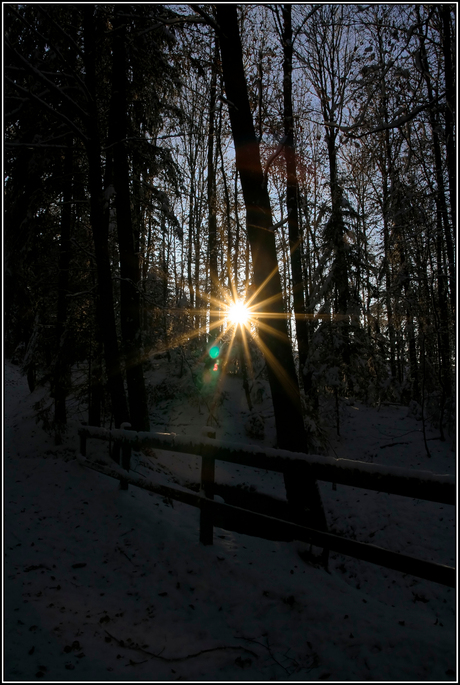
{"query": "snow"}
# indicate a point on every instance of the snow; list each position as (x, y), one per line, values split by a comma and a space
(104, 584)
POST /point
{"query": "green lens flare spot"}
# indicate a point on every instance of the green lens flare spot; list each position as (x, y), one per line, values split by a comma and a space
(214, 352)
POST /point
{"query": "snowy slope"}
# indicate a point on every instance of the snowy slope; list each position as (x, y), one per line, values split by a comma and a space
(102, 584)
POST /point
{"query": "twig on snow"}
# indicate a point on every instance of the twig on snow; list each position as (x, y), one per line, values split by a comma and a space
(123, 552)
(136, 663)
(267, 646)
(138, 648)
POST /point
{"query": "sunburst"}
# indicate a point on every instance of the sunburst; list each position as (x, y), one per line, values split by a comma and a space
(238, 313)
(236, 318)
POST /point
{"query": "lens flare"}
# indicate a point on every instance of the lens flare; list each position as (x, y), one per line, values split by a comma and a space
(238, 313)
(233, 321)
(214, 352)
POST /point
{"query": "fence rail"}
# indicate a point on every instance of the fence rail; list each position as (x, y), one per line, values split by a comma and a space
(391, 479)
(417, 484)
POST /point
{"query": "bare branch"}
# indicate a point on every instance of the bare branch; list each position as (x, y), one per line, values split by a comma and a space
(272, 158)
(83, 292)
(188, 19)
(383, 127)
(15, 143)
(309, 15)
(282, 222)
(208, 20)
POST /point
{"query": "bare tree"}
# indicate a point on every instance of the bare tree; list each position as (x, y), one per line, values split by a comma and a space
(272, 317)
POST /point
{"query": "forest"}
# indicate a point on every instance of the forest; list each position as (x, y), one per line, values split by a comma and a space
(165, 162)
(230, 228)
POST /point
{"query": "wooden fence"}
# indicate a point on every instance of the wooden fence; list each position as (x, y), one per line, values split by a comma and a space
(394, 480)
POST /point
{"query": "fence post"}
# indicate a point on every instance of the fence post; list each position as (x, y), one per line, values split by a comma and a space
(125, 456)
(207, 489)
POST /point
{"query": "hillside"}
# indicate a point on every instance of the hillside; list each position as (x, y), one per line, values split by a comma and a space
(105, 584)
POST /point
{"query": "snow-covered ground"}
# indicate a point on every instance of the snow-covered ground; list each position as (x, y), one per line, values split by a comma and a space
(102, 584)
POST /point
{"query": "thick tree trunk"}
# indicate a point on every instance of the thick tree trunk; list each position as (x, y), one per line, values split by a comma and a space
(283, 379)
(130, 315)
(105, 303)
(302, 490)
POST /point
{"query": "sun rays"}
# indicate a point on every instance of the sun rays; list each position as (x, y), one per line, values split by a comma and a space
(232, 321)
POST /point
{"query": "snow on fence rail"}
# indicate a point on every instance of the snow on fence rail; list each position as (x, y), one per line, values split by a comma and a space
(391, 479)
(394, 480)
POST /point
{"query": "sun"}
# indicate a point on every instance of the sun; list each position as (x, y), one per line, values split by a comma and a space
(238, 313)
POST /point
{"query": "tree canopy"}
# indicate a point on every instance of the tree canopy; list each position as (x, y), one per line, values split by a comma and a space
(149, 184)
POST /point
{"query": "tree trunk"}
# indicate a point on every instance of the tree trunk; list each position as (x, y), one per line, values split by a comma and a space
(336, 239)
(441, 196)
(130, 315)
(95, 378)
(292, 202)
(445, 12)
(237, 236)
(198, 292)
(212, 217)
(190, 244)
(99, 225)
(61, 369)
(302, 490)
(387, 173)
(387, 183)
